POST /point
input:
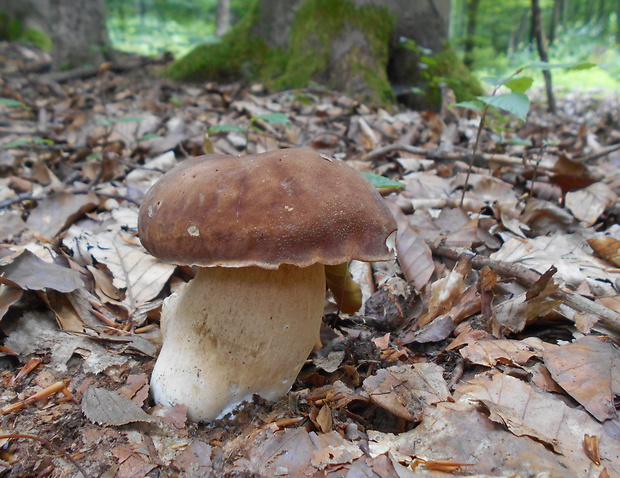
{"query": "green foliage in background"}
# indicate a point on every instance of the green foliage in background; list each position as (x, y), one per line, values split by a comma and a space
(152, 27)
(579, 31)
(12, 29)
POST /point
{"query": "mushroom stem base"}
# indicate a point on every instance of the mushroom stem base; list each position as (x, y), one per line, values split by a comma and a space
(235, 332)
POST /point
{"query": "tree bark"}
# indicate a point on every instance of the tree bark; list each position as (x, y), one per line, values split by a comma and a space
(222, 21)
(472, 17)
(541, 44)
(75, 27)
(558, 10)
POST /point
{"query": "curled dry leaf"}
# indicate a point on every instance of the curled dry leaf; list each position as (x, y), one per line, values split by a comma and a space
(414, 256)
(444, 293)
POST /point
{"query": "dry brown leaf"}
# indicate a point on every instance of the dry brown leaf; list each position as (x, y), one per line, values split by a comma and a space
(507, 352)
(31, 273)
(589, 203)
(589, 370)
(57, 211)
(414, 256)
(606, 247)
(408, 390)
(444, 292)
(66, 316)
(11, 225)
(527, 412)
(459, 432)
(111, 409)
(567, 252)
(8, 296)
(140, 274)
(515, 313)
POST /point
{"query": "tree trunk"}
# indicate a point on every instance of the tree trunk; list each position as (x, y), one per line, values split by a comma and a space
(76, 28)
(541, 43)
(556, 15)
(368, 48)
(222, 21)
(472, 16)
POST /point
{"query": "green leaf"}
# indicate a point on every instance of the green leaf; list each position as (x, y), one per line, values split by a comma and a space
(381, 182)
(519, 141)
(494, 80)
(516, 103)
(223, 128)
(104, 121)
(12, 102)
(23, 141)
(129, 120)
(272, 118)
(472, 105)
(519, 85)
(149, 136)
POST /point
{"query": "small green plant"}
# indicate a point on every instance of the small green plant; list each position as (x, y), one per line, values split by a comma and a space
(514, 101)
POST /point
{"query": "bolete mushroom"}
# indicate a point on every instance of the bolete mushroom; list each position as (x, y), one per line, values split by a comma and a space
(260, 228)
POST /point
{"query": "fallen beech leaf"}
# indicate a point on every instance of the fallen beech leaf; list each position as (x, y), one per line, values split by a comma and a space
(589, 370)
(8, 296)
(566, 252)
(527, 412)
(444, 293)
(606, 247)
(408, 390)
(29, 272)
(589, 203)
(324, 419)
(508, 352)
(463, 434)
(59, 210)
(414, 256)
(109, 408)
(132, 268)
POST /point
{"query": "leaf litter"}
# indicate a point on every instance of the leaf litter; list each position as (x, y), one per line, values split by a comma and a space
(490, 348)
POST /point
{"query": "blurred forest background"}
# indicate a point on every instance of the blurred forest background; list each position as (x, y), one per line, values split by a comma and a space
(493, 37)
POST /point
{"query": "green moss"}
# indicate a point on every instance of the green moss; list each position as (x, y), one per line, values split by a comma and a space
(12, 29)
(446, 68)
(37, 38)
(232, 58)
(317, 25)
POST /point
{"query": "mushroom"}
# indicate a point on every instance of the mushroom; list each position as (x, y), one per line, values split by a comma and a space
(260, 229)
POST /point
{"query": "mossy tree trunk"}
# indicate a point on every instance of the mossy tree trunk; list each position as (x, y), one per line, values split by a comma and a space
(348, 45)
(72, 30)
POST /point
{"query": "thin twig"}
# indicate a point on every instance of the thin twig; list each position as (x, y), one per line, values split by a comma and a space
(599, 154)
(437, 155)
(49, 445)
(608, 318)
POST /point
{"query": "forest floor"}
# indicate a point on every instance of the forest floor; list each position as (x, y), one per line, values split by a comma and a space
(490, 348)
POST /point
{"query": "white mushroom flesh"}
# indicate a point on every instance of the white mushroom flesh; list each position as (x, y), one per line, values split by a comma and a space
(235, 332)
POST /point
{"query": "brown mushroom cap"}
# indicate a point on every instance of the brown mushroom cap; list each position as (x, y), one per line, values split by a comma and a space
(292, 206)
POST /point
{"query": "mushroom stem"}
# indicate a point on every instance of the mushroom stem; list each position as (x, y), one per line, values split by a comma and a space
(235, 332)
